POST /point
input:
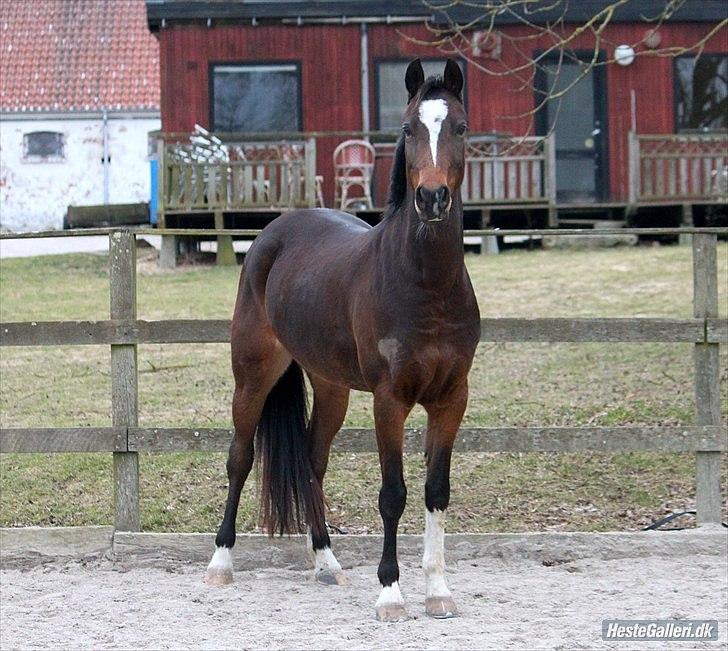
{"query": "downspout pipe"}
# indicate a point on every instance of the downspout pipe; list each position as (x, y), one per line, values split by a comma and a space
(364, 77)
(105, 130)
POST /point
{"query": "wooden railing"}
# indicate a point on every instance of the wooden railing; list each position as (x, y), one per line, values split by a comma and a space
(229, 172)
(236, 176)
(509, 170)
(502, 170)
(123, 332)
(678, 168)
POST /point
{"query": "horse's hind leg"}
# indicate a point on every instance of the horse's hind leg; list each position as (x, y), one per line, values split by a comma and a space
(258, 361)
(330, 403)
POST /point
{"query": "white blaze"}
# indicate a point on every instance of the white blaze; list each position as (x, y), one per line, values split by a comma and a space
(432, 114)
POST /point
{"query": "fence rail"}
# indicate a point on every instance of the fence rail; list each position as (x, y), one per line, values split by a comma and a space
(503, 329)
(690, 438)
(123, 332)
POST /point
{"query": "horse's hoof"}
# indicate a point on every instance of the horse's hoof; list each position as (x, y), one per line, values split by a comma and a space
(328, 577)
(218, 576)
(392, 613)
(441, 607)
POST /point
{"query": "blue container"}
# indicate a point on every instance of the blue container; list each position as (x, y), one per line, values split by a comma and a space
(154, 175)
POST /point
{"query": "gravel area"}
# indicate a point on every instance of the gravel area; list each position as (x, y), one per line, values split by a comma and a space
(505, 603)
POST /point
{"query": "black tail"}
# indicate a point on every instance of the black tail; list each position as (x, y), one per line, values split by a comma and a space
(289, 489)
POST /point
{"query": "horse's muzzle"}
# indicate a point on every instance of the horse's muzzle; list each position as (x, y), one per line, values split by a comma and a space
(432, 205)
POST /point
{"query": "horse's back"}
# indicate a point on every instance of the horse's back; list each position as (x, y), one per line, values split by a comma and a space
(308, 239)
(306, 223)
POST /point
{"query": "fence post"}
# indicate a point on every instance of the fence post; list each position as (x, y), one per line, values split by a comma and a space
(707, 377)
(124, 391)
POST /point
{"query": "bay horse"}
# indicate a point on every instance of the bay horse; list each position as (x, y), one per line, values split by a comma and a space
(389, 310)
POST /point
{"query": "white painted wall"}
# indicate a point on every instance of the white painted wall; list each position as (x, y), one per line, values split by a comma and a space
(35, 196)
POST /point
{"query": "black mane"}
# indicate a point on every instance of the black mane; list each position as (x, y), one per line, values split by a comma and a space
(398, 180)
(431, 86)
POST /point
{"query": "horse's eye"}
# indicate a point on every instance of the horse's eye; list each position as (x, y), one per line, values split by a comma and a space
(406, 129)
(461, 129)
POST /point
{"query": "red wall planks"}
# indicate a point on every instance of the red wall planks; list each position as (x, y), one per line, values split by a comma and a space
(331, 93)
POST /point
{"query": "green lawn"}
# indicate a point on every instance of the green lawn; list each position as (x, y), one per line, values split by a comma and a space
(512, 384)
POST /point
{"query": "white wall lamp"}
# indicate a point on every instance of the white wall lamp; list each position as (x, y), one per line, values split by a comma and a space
(624, 55)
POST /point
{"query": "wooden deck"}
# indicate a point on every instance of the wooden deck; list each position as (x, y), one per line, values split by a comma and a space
(246, 180)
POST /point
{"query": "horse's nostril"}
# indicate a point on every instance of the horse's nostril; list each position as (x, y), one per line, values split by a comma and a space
(420, 195)
(442, 196)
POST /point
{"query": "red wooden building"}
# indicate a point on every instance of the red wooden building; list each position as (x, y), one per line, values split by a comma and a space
(338, 67)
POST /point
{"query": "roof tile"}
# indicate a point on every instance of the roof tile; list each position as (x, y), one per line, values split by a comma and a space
(77, 55)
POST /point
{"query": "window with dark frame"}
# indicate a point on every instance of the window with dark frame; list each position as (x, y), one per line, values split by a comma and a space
(391, 92)
(701, 92)
(43, 146)
(256, 97)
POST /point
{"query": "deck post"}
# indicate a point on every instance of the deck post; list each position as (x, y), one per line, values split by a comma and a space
(168, 252)
(225, 250)
(124, 389)
(488, 243)
(707, 377)
(168, 249)
(549, 161)
(633, 152)
(685, 239)
(310, 172)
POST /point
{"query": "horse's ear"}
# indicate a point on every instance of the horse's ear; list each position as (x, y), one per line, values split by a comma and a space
(414, 78)
(453, 78)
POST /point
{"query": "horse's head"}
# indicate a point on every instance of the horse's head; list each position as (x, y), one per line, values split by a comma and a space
(434, 129)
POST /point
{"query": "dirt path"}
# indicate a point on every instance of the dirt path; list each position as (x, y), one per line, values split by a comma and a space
(505, 604)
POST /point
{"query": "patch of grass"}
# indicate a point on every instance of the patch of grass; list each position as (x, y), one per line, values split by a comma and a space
(511, 384)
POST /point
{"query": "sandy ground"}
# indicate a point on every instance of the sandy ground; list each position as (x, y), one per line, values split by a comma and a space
(505, 604)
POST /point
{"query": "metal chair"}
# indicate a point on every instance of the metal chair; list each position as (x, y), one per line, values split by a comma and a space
(353, 167)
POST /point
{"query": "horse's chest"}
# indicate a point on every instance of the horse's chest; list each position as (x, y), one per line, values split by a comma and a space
(420, 369)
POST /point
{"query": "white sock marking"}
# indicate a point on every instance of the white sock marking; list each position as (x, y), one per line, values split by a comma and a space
(389, 595)
(432, 114)
(323, 559)
(222, 560)
(433, 560)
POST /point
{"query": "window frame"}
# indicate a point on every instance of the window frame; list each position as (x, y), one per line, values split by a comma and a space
(676, 98)
(382, 60)
(257, 63)
(37, 158)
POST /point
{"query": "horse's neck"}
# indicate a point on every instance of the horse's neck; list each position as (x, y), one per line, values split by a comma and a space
(429, 255)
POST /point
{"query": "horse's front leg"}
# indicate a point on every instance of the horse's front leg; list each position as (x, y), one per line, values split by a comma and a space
(389, 418)
(443, 421)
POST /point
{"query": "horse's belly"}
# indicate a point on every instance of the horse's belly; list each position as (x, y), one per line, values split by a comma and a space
(317, 334)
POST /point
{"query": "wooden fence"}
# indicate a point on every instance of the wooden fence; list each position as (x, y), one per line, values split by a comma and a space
(680, 167)
(123, 332)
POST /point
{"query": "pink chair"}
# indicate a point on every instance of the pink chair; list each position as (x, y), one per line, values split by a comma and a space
(353, 167)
